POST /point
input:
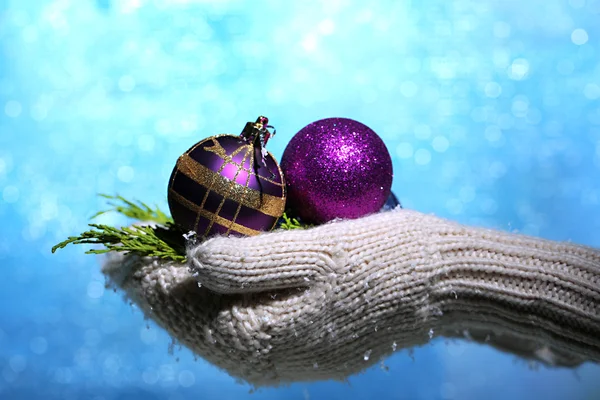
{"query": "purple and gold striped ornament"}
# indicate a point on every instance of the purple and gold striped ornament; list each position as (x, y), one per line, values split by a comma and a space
(228, 185)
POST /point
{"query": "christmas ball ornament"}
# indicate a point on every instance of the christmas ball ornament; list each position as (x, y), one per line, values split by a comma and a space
(228, 184)
(391, 203)
(336, 168)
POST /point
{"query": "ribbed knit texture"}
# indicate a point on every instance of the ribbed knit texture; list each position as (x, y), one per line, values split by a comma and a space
(332, 300)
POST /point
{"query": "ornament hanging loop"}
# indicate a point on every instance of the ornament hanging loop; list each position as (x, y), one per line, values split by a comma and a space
(259, 130)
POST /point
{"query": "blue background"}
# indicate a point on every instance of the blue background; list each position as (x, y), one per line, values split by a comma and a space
(490, 110)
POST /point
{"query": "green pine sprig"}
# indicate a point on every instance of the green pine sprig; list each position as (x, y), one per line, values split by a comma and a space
(159, 237)
(291, 222)
(143, 240)
(156, 236)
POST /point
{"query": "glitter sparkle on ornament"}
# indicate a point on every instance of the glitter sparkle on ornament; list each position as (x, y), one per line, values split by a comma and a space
(336, 168)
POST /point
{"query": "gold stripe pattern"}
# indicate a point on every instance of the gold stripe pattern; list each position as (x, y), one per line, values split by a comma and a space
(213, 217)
(231, 194)
(265, 203)
(208, 190)
(241, 195)
(220, 151)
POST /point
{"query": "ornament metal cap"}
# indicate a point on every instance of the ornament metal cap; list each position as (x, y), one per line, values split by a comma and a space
(258, 132)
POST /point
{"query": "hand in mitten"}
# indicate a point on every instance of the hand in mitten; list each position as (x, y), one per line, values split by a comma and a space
(329, 301)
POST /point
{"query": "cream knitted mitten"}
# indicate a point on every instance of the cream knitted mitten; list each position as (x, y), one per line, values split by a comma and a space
(329, 301)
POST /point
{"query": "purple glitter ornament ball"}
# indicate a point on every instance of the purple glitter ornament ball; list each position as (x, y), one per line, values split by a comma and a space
(336, 168)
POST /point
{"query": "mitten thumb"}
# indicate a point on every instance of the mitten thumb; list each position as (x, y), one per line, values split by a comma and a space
(267, 262)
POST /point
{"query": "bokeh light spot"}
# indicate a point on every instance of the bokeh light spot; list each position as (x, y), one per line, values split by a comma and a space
(440, 144)
(12, 108)
(422, 157)
(579, 36)
(404, 150)
(126, 173)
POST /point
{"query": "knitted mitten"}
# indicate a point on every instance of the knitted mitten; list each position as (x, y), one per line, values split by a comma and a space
(329, 301)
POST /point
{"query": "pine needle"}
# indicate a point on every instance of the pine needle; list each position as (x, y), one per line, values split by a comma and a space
(146, 241)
